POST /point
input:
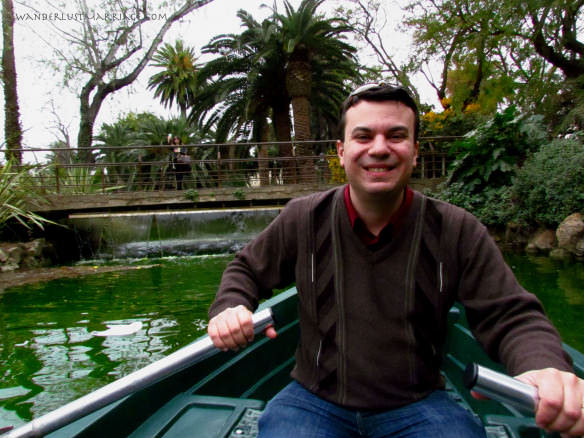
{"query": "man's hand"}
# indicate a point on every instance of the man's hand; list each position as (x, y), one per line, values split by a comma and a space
(561, 400)
(232, 329)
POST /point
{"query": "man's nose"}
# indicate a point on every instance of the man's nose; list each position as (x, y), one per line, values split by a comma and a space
(379, 146)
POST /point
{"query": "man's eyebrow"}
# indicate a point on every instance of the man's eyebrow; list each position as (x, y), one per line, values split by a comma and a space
(361, 129)
(399, 128)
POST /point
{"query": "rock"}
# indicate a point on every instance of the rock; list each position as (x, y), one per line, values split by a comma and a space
(579, 252)
(570, 232)
(31, 254)
(560, 254)
(8, 267)
(35, 247)
(15, 254)
(543, 241)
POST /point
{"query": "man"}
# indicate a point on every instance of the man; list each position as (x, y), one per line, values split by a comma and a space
(377, 266)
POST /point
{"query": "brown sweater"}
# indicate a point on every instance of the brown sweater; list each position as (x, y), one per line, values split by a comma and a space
(373, 323)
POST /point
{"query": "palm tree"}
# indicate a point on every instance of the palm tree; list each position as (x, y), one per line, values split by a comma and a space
(241, 90)
(308, 38)
(178, 81)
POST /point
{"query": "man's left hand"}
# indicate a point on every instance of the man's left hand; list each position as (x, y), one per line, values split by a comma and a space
(561, 400)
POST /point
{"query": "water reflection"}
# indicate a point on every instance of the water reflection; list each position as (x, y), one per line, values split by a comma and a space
(560, 287)
(48, 354)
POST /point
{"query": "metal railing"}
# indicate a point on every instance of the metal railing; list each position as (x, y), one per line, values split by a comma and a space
(155, 168)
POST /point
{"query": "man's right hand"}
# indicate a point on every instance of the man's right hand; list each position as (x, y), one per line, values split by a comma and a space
(232, 329)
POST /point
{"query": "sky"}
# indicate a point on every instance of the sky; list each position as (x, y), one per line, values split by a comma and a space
(45, 102)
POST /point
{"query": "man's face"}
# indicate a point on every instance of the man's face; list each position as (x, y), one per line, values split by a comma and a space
(379, 152)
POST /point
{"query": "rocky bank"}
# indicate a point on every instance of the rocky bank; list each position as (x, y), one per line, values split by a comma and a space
(566, 242)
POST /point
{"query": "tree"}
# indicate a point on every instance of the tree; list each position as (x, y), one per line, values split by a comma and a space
(500, 51)
(245, 89)
(368, 19)
(12, 129)
(108, 54)
(307, 37)
(178, 81)
(240, 95)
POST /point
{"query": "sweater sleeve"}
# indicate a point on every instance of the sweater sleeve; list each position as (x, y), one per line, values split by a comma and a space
(266, 263)
(508, 321)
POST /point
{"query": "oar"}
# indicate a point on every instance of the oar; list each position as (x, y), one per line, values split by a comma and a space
(153, 373)
(501, 388)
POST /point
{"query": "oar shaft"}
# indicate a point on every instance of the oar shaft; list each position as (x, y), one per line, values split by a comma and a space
(171, 364)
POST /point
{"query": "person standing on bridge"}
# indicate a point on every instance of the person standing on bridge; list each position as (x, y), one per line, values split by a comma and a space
(377, 267)
(179, 165)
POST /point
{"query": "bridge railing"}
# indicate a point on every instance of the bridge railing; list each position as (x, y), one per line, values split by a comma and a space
(156, 167)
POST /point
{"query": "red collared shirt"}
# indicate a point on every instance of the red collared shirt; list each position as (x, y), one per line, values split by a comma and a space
(392, 226)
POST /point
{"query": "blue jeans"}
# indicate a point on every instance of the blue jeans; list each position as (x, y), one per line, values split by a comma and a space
(297, 413)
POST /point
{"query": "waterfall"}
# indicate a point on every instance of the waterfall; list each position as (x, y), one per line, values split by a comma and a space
(165, 233)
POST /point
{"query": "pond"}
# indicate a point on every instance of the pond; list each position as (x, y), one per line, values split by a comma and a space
(50, 354)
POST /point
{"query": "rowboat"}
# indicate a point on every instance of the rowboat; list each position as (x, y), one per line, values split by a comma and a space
(202, 392)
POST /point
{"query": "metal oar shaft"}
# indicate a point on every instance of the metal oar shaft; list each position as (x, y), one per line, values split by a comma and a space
(171, 364)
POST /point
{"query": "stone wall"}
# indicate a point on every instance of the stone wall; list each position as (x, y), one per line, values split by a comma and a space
(33, 254)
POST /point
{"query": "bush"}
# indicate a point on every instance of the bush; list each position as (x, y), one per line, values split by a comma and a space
(15, 195)
(550, 185)
(487, 160)
(493, 206)
(490, 155)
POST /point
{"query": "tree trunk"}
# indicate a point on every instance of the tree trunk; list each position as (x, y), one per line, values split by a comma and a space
(263, 154)
(12, 129)
(298, 84)
(475, 92)
(283, 127)
(88, 113)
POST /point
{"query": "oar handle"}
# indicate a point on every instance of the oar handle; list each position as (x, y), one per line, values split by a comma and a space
(155, 372)
(501, 388)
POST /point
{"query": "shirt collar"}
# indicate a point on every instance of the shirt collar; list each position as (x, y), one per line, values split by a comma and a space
(396, 219)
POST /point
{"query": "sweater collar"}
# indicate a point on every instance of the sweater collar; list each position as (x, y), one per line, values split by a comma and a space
(392, 226)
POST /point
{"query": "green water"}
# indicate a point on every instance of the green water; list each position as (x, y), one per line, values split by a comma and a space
(49, 356)
(560, 287)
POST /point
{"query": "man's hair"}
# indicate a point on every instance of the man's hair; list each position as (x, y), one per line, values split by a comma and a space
(379, 93)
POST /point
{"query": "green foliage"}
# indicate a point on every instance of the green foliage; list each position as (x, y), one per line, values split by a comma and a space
(486, 163)
(177, 82)
(191, 195)
(492, 206)
(239, 194)
(550, 185)
(15, 195)
(245, 84)
(79, 180)
(489, 155)
(449, 122)
(499, 53)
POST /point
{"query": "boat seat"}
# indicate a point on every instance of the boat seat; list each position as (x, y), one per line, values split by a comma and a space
(204, 417)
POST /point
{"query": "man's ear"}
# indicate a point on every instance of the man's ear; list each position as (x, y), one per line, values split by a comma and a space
(416, 152)
(341, 152)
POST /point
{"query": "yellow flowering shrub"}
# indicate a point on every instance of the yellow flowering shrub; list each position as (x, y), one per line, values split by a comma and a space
(338, 175)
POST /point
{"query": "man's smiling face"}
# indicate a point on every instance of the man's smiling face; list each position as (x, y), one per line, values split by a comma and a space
(379, 151)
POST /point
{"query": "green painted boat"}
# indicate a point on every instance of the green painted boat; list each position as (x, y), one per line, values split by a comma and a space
(223, 394)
